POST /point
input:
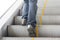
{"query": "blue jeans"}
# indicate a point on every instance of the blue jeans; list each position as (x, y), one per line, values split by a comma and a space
(29, 12)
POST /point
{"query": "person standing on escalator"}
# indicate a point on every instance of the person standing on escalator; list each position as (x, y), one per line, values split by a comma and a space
(29, 16)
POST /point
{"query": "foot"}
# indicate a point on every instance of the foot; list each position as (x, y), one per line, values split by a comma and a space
(23, 21)
(31, 31)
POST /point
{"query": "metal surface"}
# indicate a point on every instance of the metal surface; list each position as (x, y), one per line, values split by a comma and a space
(46, 20)
(18, 30)
(44, 31)
(28, 38)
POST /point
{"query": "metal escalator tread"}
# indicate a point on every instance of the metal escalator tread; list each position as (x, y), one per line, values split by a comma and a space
(29, 38)
(43, 31)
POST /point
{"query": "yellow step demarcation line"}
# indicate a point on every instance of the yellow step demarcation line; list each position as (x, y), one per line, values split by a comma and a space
(40, 20)
(43, 10)
(32, 38)
(37, 30)
(41, 17)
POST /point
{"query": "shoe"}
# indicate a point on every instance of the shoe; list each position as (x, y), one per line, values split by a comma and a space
(31, 31)
(24, 22)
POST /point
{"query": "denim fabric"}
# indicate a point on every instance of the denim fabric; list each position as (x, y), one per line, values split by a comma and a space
(29, 11)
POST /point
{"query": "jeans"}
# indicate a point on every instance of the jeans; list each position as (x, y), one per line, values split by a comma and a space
(29, 12)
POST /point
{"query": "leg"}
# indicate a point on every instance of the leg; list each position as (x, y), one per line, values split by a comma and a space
(25, 12)
(32, 13)
(32, 17)
(25, 9)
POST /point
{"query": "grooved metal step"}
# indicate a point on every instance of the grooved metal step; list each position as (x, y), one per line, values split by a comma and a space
(46, 20)
(28, 38)
(18, 30)
(49, 11)
(52, 7)
(18, 20)
(44, 31)
(50, 3)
